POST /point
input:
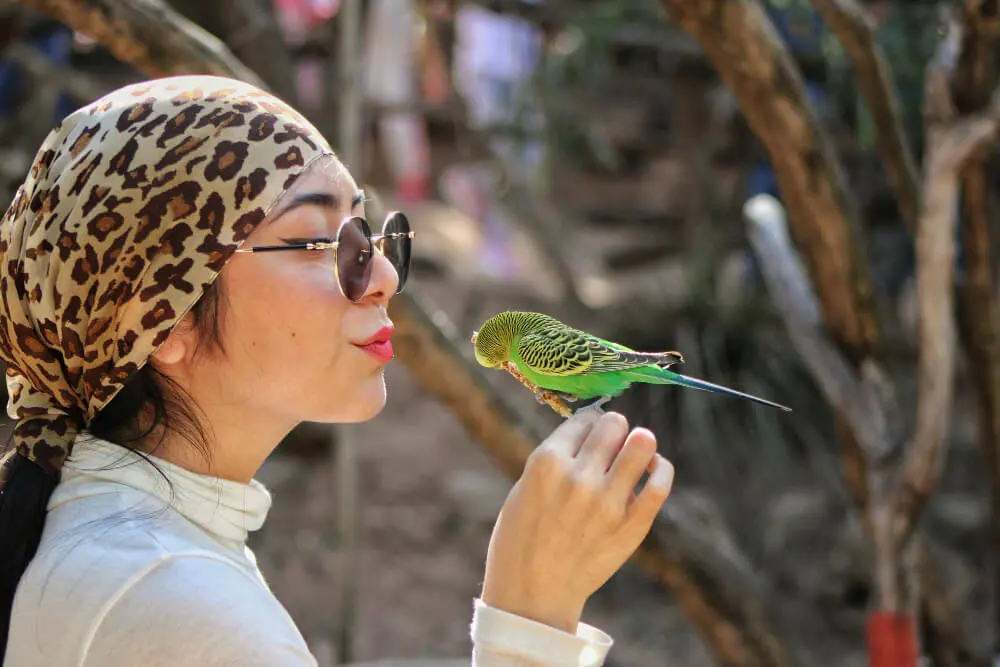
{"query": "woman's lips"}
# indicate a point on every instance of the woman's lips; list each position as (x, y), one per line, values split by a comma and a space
(379, 345)
(381, 350)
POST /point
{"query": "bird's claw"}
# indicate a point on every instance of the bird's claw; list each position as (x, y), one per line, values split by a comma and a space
(596, 405)
(541, 395)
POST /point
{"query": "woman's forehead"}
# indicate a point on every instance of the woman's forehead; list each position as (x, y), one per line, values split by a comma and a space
(326, 175)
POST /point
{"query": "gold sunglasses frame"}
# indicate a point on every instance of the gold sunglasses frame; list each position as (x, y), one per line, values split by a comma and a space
(374, 241)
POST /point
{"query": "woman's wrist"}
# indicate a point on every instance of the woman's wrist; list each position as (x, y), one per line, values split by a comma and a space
(560, 614)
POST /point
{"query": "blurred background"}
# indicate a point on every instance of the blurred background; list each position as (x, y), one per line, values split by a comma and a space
(591, 159)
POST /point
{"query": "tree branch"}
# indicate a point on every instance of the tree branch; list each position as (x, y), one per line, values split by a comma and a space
(855, 28)
(744, 48)
(149, 36)
(851, 394)
(974, 78)
(847, 391)
(972, 82)
(950, 145)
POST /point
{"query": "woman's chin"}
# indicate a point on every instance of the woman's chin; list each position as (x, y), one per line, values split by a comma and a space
(367, 401)
(370, 409)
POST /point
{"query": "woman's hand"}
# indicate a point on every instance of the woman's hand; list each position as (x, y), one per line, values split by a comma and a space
(574, 518)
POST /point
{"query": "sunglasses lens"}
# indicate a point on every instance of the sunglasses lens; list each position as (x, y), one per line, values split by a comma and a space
(396, 245)
(354, 257)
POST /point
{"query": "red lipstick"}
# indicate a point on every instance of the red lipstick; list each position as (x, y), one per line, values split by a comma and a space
(379, 345)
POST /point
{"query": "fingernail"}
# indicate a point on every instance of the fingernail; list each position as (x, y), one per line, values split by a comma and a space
(663, 475)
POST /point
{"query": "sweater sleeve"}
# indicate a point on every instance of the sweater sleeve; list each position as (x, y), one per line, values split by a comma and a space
(199, 611)
(501, 639)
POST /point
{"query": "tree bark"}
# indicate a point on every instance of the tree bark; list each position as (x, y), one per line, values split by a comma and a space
(742, 45)
(855, 28)
(149, 36)
(973, 82)
(859, 398)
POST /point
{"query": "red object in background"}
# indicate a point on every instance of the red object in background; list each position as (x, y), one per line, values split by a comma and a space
(892, 640)
(310, 12)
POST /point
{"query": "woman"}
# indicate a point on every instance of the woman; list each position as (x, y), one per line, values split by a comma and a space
(159, 345)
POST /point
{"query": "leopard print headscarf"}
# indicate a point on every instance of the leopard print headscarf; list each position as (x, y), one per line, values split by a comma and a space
(131, 208)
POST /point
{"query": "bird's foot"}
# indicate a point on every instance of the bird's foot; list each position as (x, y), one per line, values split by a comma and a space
(511, 368)
(544, 396)
(553, 401)
(596, 405)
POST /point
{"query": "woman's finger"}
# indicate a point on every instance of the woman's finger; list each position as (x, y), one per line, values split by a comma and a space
(647, 503)
(635, 457)
(568, 436)
(601, 446)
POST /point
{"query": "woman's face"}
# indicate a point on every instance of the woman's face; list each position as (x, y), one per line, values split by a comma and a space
(292, 343)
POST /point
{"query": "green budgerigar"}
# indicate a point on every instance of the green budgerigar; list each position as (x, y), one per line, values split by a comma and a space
(575, 365)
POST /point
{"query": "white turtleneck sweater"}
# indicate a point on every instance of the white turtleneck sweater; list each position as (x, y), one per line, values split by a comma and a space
(130, 572)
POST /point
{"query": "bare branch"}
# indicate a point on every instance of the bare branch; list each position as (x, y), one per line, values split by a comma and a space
(850, 393)
(744, 48)
(975, 75)
(148, 35)
(855, 28)
(949, 147)
(859, 401)
(974, 80)
(742, 45)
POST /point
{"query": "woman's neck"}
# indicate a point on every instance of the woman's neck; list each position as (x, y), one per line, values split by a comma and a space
(229, 447)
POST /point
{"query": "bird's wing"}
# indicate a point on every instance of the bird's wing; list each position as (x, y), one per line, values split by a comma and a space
(567, 351)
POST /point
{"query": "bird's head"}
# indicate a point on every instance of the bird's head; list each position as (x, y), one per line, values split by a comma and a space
(492, 342)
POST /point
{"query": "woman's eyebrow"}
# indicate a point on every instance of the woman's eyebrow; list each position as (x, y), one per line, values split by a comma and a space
(323, 199)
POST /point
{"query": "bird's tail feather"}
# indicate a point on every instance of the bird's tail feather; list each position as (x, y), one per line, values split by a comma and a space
(663, 376)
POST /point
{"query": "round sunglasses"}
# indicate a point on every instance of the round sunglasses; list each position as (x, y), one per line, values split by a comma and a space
(353, 251)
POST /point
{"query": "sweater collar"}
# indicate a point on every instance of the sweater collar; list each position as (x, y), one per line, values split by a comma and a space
(224, 508)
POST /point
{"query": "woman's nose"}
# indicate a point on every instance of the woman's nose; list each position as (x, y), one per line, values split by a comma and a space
(384, 280)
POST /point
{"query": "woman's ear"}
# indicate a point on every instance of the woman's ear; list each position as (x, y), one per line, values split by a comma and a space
(180, 344)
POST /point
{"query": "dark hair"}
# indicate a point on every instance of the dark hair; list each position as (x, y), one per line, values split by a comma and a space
(150, 404)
